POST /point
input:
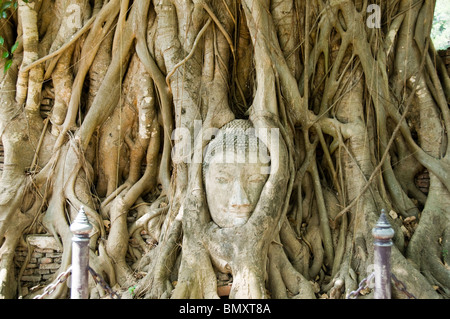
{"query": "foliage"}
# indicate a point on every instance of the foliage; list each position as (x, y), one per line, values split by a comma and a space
(7, 53)
(440, 33)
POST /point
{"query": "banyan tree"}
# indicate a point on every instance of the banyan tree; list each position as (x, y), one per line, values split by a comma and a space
(329, 109)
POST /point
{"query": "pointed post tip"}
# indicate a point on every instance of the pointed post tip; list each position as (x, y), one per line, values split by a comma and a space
(81, 224)
(383, 232)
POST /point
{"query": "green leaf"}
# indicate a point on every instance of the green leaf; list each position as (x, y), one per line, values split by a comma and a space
(131, 290)
(14, 47)
(6, 5)
(16, 4)
(5, 54)
(2, 41)
(4, 14)
(7, 65)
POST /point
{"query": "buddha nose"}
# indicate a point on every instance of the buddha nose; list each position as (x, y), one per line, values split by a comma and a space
(239, 198)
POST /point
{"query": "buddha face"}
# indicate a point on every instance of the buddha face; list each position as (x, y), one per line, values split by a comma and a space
(233, 188)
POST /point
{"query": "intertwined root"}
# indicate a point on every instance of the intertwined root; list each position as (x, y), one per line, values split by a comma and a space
(429, 247)
(338, 91)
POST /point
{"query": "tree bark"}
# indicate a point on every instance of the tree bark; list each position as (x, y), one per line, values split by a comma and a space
(139, 89)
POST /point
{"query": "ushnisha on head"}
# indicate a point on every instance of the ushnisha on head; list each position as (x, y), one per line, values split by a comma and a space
(235, 169)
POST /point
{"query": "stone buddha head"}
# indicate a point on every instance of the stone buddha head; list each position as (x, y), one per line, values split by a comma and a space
(235, 169)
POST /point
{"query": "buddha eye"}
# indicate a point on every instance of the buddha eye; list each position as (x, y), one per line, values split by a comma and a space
(222, 179)
(256, 178)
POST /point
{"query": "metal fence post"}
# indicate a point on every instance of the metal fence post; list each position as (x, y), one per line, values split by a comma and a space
(382, 234)
(80, 256)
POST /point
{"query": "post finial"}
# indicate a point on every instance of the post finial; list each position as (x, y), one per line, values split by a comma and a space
(81, 225)
(383, 232)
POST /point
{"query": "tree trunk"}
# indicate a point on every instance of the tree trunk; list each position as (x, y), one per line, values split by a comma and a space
(348, 97)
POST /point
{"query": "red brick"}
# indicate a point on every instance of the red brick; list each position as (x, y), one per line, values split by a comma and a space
(49, 266)
(46, 260)
(31, 278)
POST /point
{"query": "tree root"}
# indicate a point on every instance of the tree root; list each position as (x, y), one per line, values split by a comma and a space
(345, 279)
(284, 281)
(430, 243)
(310, 69)
(156, 284)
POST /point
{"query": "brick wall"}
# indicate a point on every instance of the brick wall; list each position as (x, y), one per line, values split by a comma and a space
(422, 181)
(43, 263)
